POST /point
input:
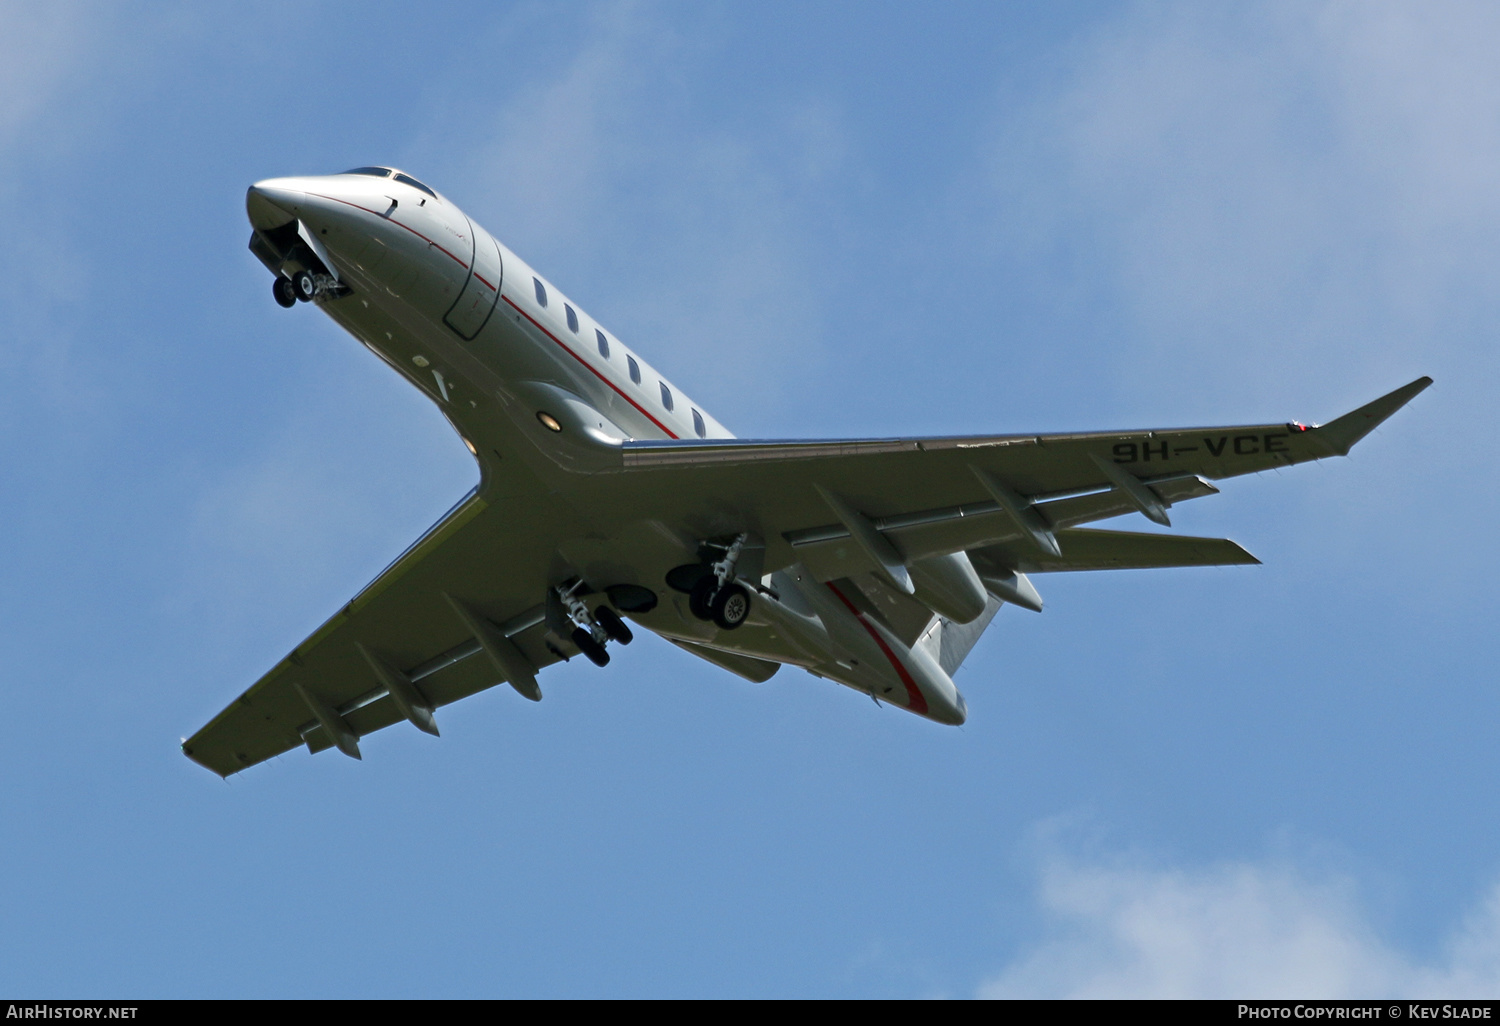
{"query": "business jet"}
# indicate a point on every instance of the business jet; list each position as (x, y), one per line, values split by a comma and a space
(610, 500)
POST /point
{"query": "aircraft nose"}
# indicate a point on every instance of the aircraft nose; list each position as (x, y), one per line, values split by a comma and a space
(274, 202)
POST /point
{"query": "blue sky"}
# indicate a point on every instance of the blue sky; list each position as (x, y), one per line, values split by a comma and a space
(830, 220)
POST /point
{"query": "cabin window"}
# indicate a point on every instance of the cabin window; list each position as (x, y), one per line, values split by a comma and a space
(409, 180)
(635, 369)
(572, 319)
(541, 292)
(666, 395)
(603, 343)
(698, 427)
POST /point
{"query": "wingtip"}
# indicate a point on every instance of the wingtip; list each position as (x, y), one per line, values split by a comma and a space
(1245, 557)
(186, 749)
(1340, 435)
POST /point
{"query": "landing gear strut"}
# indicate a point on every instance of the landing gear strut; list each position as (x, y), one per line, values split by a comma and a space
(592, 630)
(308, 285)
(717, 596)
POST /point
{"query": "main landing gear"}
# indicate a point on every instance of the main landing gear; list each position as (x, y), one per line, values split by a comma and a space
(285, 294)
(716, 595)
(592, 630)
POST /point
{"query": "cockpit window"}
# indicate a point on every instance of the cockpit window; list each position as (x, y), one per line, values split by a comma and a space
(409, 180)
(374, 172)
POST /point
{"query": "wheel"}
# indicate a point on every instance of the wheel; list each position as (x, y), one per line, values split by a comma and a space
(700, 599)
(304, 286)
(731, 606)
(613, 625)
(589, 647)
(285, 295)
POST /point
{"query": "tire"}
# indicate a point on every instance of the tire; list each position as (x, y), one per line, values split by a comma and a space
(731, 606)
(613, 625)
(285, 295)
(304, 285)
(700, 599)
(589, 647)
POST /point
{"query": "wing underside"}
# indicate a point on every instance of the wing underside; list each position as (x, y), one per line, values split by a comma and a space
(406, 621)
(464, 608)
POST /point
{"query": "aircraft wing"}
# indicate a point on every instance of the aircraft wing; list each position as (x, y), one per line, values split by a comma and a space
(463, 609)
(481, 570)
(841, 508)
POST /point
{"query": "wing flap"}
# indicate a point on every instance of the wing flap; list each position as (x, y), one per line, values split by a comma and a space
(829, 553)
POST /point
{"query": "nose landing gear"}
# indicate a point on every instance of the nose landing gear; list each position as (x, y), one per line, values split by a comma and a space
(306, 285)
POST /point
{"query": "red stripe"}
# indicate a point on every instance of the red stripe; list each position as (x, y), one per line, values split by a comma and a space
(592, 370)
(915, 700)
(398, 224)
(646, 413)
(483, 279)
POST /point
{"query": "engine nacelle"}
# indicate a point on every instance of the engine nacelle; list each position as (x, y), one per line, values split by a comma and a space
(949, 586)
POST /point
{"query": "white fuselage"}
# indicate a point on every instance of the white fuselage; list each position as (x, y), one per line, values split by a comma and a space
(409, 262)
(502, 352)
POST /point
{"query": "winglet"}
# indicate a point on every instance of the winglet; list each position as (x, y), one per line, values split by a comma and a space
(1341, 434)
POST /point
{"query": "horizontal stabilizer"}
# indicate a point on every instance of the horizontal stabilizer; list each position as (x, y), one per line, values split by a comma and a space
(949, 643)
(958, 639)
(1092, 549)
(756, 671)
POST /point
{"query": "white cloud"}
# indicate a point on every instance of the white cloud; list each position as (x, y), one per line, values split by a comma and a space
(1287, 201)
(1276, 192)
(41, 46)
(1236, 930)
(687, 239)
(43, 52)
(290, 531)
